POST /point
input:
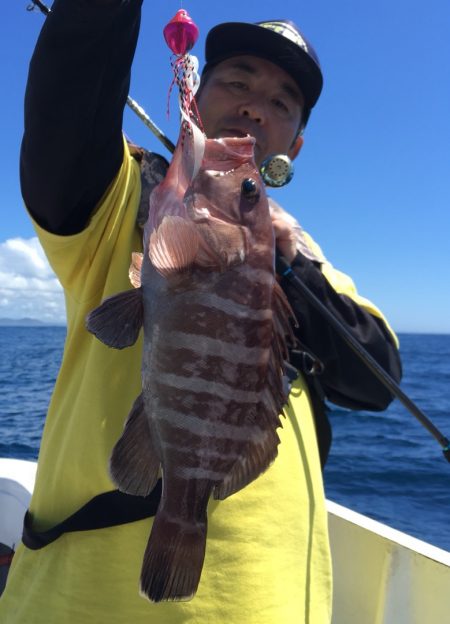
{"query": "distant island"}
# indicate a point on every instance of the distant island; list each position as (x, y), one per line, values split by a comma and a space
(27, 322)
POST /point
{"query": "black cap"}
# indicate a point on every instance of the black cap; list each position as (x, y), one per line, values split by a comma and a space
(279, 41)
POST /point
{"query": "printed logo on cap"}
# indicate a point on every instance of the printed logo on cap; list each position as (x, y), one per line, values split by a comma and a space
(286, 30)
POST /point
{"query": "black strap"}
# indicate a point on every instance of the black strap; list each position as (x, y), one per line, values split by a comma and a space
(102, 511)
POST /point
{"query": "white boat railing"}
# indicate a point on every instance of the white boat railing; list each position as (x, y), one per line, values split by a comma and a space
(384, 576)
(381, 575)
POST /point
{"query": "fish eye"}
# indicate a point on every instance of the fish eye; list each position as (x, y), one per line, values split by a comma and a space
(250, 191)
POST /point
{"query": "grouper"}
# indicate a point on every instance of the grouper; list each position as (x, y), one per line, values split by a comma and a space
(216, 332)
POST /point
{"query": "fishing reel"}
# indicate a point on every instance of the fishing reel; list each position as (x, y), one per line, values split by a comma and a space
(277, 170)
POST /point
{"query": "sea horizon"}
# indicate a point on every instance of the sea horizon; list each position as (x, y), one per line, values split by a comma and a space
(32, 322)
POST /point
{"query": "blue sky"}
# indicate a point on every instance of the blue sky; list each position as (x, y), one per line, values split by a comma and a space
(372, 183)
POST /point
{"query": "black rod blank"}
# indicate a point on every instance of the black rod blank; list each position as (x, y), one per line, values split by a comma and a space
(284, 268)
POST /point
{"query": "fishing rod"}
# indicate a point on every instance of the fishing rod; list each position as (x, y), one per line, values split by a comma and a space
(159, 134)
(284, 268)
(37, 4)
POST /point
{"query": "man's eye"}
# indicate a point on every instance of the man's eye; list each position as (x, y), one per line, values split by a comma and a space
(237, 84)
(280, 105)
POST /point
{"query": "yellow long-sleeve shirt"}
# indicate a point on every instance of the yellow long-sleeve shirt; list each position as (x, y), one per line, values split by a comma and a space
(267, 556)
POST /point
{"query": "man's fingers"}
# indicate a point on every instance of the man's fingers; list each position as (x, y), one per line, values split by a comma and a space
(286, 239)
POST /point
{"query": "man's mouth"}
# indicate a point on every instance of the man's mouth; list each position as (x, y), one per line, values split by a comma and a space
(232, 132)
(240, 133)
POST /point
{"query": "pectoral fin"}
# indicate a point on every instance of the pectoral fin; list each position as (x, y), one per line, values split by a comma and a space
(174, 245)
(118, 320)
(135, 270)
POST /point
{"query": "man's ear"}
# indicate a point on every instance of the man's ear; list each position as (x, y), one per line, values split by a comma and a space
(295, 147)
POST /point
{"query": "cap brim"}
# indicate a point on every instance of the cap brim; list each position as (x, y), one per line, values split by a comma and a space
(236, 39)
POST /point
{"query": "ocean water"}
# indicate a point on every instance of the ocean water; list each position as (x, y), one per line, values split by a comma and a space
(384, 465)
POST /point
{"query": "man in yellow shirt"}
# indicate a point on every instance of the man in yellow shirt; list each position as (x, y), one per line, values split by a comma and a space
(267, 557)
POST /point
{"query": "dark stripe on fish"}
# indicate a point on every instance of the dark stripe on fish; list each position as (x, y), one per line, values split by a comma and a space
(201, 344)
(235, 375)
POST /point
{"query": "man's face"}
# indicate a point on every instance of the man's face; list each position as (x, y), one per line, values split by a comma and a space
(249, 95)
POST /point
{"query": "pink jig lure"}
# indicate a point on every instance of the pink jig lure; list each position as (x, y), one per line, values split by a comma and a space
(180, 34)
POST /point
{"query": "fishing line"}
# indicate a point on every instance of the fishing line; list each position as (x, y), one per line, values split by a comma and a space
(277, 170)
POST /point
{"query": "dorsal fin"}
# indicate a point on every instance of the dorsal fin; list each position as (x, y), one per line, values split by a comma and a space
(261, 451)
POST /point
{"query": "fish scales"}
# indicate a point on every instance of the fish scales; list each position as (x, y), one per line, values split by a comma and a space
(211, 367)
(215, 329)
(250, 331)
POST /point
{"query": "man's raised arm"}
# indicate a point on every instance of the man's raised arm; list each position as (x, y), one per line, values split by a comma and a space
(76, 92)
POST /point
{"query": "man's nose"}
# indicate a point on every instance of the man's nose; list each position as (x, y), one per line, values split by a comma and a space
(254, 110)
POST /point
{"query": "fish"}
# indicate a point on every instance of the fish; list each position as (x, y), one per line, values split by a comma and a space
(217, 328)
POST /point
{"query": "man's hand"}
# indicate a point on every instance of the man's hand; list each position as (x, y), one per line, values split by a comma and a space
(286, 240)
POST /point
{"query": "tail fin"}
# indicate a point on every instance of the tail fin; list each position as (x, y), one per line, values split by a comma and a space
(173, 559)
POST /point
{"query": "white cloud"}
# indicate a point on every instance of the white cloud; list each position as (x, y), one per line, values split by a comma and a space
(28, 286)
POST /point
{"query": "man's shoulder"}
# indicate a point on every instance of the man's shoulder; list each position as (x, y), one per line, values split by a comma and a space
(153, 170)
